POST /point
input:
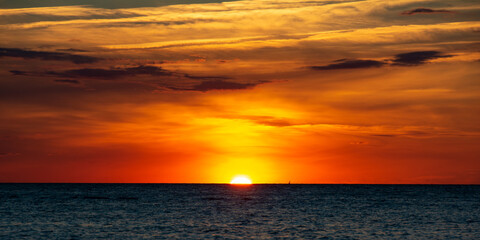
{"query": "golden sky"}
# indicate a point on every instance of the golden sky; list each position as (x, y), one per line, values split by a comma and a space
(278, 90)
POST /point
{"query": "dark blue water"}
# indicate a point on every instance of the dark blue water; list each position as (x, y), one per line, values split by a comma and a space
(198, 211)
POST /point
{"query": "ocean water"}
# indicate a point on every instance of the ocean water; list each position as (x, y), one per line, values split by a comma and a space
(217, 211)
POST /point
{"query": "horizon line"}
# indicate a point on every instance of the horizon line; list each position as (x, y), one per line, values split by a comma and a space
(471, 184)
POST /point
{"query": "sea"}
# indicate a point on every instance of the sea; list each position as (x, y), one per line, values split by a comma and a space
(223, 211)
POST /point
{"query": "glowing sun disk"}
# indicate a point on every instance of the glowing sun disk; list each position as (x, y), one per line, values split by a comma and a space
(241, 180)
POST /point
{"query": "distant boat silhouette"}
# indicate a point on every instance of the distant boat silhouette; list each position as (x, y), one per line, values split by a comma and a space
(288, 182)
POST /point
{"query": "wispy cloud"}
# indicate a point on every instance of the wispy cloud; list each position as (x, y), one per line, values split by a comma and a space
(113, 73)
(218, 85)
(26, 18)
(51, 56)
(177, 81)
(70, 81)
(349, 64)
(105, 4)
(417, 58)
(425, 11)
(402, 59)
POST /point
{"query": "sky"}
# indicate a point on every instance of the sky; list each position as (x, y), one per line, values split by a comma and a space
(157, 91)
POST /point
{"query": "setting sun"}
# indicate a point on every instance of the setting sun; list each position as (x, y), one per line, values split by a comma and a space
(241, 180)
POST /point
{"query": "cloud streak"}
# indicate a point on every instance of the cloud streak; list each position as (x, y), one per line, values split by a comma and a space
(69, 81)
(349, 64)
(424, 11)
(114, 73)
(106, 4)
(24, 18)
(136, 74)
(417, 58)
(402, 59)
(49, 56)
(217, 85)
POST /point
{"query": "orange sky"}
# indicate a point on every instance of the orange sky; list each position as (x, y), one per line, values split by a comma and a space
(301, 91)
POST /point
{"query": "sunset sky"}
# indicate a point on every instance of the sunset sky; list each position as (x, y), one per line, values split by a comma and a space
(179, 91)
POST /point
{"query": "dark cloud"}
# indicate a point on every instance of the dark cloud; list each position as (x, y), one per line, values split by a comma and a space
(113, 73)
(71, 50)
(162, 23)
(31, 17)
(55, 56)
(107, 4)
(384, 135)
(200, 83)
(417, 133)
(416, 58)
(402, 59)
(216, 85)
(414, 134)
(70, 81)
(349, 64)
(424, 11)
(212, 78)
(17, 72)
(221, 85)
(274, 122)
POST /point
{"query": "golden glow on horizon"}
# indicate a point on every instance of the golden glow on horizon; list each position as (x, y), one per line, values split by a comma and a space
(241, 179)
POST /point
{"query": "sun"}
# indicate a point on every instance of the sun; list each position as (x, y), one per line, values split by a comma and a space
(241, 179)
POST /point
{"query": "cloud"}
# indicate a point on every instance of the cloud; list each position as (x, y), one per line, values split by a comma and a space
(71, 50)
(216, 85)
(263, 120)
(106, 4)
(18, 72)
(416, 58)
(424, 11)
(119, 24)
(54, 56)
(188, 82)
(70, 81)
(190, 43)
(271, 121)
(384, 135)
(31, 17)
(349, 64)
(221, 85)
(113, 73)
(211, 78)
(402, 59)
